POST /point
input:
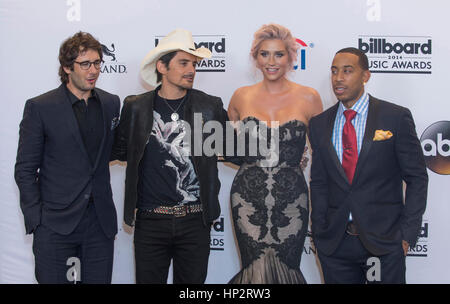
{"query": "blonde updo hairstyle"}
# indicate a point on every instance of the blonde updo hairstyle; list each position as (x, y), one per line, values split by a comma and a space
(275, 31)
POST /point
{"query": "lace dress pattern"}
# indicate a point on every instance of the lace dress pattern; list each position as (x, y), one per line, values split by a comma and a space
(270, 210)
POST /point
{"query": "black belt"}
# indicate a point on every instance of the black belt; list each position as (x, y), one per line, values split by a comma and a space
(352, 229)
(177, 211)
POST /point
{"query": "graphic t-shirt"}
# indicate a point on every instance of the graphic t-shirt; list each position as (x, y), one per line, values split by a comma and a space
(166, 172)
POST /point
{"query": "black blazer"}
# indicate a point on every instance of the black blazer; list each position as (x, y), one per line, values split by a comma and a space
(375, 197)
(53, 171)
(136, 122)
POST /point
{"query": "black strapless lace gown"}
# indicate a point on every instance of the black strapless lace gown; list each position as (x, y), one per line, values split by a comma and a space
(270, 211)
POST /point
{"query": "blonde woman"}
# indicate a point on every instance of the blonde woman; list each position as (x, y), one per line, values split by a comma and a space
(270, 203)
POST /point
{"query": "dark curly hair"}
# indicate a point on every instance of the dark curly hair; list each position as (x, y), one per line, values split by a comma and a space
(72, 47)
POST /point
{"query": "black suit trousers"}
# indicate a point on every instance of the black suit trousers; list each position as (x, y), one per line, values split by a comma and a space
(86, 251)
(352, 263)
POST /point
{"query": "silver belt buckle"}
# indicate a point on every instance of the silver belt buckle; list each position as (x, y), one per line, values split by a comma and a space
(179, 211)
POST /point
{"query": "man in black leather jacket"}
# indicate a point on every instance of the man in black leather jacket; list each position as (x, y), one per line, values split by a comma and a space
(171, 193)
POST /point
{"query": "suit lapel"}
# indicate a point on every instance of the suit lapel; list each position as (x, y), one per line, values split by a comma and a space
(372, 118)
(329, 143)
(105, 125)
(188, 113)
(67, 113)
(189, 118)
(149, 105)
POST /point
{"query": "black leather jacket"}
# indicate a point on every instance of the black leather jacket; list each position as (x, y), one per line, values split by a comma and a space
(136, 122)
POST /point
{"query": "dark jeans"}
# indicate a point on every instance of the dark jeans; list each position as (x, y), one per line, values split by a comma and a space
(350, 263)
(87, 243)
(160, 238)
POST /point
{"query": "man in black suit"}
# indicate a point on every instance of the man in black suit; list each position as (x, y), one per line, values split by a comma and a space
(174, 188)
(62, 170)
(363, 150)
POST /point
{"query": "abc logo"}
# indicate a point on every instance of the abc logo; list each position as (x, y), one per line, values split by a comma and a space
(436, 147)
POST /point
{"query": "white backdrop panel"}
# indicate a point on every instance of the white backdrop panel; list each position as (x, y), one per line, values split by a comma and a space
(32, 31)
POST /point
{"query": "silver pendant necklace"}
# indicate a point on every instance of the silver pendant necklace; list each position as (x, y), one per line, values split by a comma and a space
(174, 116)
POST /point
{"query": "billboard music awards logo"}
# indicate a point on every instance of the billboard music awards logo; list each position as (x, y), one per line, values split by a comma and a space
(300, 63)
(216, 44)
(110, 64)
(218, 235)
(435, 142)
(422, 247)
(397, 54)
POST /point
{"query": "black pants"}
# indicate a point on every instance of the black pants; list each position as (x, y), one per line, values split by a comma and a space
(86, 251)
(351, 263)
(160, 238)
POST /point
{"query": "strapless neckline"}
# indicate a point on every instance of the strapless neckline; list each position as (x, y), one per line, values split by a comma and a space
(279, 126)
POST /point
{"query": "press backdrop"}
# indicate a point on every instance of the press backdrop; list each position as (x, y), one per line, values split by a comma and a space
(406, 41)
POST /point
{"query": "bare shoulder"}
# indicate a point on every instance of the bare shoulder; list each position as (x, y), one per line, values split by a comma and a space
(309, 98)
(238, 101)
(306, 93)
(243, 92)
(241, 95)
